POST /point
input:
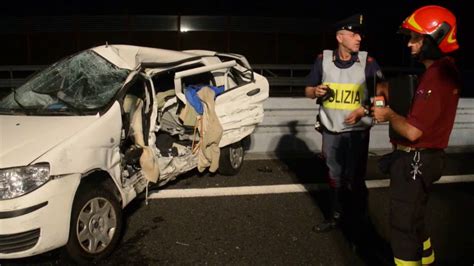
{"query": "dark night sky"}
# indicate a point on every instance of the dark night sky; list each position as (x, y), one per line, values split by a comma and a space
(295, 8)
(383, 18)
(385, 15)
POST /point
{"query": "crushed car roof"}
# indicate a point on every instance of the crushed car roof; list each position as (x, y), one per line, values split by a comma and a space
(131, 57)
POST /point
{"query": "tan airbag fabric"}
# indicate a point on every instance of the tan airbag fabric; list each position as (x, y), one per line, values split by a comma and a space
(211, 132)
(188, 116)
(148, 162)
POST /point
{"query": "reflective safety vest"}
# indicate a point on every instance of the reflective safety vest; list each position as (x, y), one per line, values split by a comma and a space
(350, 92)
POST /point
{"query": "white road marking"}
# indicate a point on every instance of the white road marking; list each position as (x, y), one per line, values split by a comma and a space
(234, 191)
(276, 189)
(377, 183)
(455, 179)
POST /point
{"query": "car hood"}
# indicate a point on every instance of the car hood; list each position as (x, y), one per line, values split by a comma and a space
(25, 138)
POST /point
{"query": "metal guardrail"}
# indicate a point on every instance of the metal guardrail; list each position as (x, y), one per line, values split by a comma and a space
(14, 68)
(10, 74)
(11, 83)
(285, 79)
(277, 75)
(292, 119)
(290, 80)
(284, 75)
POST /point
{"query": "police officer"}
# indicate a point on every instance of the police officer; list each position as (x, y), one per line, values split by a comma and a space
(418, 159)
(342, 81)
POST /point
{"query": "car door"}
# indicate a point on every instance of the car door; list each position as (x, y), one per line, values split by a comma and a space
(240, 107)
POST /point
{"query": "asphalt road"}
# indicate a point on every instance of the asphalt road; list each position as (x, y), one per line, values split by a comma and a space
(277, 228)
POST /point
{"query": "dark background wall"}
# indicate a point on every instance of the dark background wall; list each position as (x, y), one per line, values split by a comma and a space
(25, 42)
(269, 40)
(266, 32)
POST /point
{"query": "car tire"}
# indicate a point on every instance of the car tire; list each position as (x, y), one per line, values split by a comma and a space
(96, 224)
(231, 159)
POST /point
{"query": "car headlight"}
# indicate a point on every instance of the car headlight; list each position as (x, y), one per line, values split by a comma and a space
(18, 181)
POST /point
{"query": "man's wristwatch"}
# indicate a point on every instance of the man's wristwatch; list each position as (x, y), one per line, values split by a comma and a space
(366, 110)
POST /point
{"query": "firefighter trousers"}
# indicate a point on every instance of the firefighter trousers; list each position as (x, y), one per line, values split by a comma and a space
(409, 238)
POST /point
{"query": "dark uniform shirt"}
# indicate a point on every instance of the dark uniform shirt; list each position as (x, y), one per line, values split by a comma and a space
(434, 105)
(372, 69)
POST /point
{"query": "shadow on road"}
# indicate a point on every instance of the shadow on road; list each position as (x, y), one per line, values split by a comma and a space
(309, 168)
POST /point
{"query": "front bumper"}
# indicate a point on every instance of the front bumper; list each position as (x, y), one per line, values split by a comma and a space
(38, 221)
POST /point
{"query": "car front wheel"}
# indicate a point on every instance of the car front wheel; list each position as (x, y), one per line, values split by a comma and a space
(96, 222)
(231, 159)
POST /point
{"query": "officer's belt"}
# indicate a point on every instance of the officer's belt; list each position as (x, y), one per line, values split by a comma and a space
(407, 149)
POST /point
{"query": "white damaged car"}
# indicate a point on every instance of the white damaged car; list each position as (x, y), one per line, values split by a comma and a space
(82, 138)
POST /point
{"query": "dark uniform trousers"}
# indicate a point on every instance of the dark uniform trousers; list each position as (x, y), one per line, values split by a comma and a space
(408, 199)
(346, 158)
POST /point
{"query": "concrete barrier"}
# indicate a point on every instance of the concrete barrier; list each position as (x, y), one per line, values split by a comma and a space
(288, 130)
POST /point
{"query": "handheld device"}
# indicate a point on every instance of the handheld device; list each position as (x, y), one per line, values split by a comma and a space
(328, 96)
(379, 101)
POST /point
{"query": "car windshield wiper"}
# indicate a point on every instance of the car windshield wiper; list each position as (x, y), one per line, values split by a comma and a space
(55, 112)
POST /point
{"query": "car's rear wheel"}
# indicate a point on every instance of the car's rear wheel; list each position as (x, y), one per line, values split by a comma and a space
(96, 223)
(231, 159)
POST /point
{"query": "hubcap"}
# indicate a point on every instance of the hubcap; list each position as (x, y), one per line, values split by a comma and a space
(96, 225)
(236, 156)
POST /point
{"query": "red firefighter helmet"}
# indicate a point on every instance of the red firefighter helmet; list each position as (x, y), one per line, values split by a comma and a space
(437, 22)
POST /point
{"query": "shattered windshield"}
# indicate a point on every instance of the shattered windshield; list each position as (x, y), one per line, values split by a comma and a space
(75, 85)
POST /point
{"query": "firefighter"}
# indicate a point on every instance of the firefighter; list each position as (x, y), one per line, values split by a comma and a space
(418, 160)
